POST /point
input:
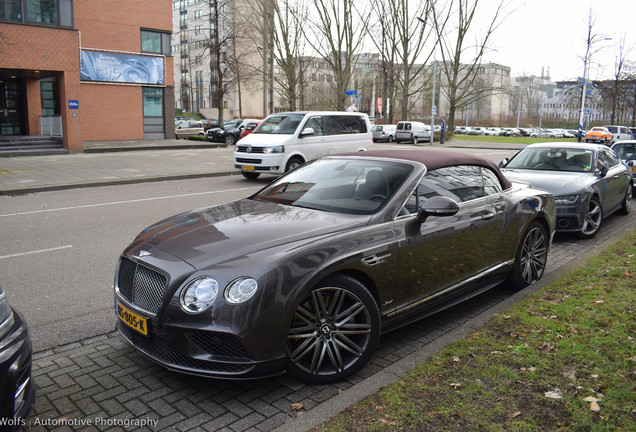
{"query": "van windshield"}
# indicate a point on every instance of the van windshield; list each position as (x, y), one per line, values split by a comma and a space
(283, 124)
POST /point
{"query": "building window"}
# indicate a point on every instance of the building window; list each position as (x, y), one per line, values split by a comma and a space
(155, 42)
(48, 97)
(49, 12)
(153, 102)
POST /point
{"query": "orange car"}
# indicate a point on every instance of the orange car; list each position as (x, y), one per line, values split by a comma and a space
(599, 134)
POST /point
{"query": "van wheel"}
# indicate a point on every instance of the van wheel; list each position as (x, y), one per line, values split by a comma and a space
(293, 163)
(250, 175)
(414, 140)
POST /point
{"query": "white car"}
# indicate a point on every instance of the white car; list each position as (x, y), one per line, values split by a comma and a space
(492, 131)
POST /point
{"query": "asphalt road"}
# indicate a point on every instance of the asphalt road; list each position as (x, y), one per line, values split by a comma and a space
(58, 250)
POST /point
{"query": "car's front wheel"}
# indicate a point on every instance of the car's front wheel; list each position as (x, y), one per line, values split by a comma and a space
(230, 139)
(250, 175)
(531, 257)
(293, 163)
(334, 331)
(593, 219)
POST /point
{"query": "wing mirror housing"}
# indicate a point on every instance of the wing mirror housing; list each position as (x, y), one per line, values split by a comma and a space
(504, 162)
(603, 170)
(307, 132)
(437, 206)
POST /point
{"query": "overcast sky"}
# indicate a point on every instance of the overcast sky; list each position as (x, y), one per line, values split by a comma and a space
(552, 34)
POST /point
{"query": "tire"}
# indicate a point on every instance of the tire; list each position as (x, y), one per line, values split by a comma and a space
(230, 139)
(531, 257)
(293, 163)
(414, 140)
(626, 206)
(334, 331)
(250, 175)
(389, 139)
(593, 219)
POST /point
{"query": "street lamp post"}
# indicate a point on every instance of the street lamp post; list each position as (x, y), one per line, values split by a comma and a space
(433, 97)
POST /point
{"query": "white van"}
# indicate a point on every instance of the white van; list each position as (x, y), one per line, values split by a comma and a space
(412, 131)
(284, 141)
(619, 133)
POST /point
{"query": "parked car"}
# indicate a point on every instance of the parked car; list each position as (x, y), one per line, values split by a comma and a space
(188, 128)
(17, 389)
(460, 130)
(209, 123)
(565, 133)
(383, 133)
(492, 131)
(476, 130)
(249, 128)
(599, 134)
(526, 132)
(619, 133)
(306, 274)
(626, 150)
(284, 141)
(510, 132)
(588, 182)
(546, 133)
(230, 133)
(633, 131)
(412, 131)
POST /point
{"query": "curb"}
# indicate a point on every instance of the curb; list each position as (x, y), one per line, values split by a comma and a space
(58, 187)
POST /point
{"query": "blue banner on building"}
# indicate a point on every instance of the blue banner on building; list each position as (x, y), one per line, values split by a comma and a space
(124, 68)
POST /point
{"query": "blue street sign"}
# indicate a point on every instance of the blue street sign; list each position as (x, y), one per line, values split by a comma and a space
(351, 92)
(73, 104)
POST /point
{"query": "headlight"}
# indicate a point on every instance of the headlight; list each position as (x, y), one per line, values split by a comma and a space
(199, 294)
(6, 315)
(241, 290)
(275, 149)
(566, 199)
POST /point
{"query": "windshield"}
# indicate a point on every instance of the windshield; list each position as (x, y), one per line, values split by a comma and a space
(553, 159)
(283, 124)
(625, 151)
(349, 186)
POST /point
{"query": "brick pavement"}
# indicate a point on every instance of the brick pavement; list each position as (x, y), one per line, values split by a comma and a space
(104, 384)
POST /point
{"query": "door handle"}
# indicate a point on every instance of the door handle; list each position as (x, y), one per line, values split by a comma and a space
(488, 216)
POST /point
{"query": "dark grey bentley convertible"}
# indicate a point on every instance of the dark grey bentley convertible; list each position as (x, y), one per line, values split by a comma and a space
(305, 275)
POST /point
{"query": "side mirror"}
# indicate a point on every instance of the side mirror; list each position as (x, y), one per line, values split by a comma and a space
(437, 206)
(504, 162)
(307, 132)
(603, 171)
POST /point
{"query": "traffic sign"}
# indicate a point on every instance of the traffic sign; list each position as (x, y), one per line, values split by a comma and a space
(351, 92)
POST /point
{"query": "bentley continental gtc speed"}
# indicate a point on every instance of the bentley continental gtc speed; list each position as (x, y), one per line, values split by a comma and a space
(588, 182)
(305, 275)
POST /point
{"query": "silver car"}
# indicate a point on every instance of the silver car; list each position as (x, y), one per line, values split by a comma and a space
(588, 182)
(626, 150)
(383, 133)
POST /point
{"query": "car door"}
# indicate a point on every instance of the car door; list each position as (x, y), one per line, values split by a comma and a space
(444, 251)
(312, 146)
(614, 183)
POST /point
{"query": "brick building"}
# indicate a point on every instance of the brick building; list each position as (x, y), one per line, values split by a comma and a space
(86, 71)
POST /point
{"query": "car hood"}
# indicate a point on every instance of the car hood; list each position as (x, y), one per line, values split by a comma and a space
(211, 235)
(265, 140)
(555, 182)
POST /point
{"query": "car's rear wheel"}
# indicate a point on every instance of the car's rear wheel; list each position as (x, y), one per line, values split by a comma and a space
(334, 331)
(627, 201)
(531, 257)
(414, 140)
(389, 139)
(593, 219)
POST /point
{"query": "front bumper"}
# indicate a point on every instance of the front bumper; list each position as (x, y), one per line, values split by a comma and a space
(17, 389)
(569, 218)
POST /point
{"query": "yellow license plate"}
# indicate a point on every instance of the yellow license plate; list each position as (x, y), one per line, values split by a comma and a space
(132, 320)
(248, 168)
(634, 169)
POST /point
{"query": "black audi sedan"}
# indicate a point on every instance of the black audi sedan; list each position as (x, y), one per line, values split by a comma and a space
(306, 274)
(17, 390)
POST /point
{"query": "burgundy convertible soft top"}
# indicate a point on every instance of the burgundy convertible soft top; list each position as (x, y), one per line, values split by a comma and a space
(434, 159)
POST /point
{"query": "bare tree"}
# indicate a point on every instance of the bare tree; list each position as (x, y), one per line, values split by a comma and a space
(459, 74)
(280, 38)
(336, 34)
(619, 77)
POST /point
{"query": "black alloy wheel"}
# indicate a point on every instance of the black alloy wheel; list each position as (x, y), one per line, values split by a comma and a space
(531, 257)
(230, 139)
(626, 206)
(293, 163)
(334, 331)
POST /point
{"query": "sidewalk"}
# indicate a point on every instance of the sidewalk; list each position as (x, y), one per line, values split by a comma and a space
(106, 163)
